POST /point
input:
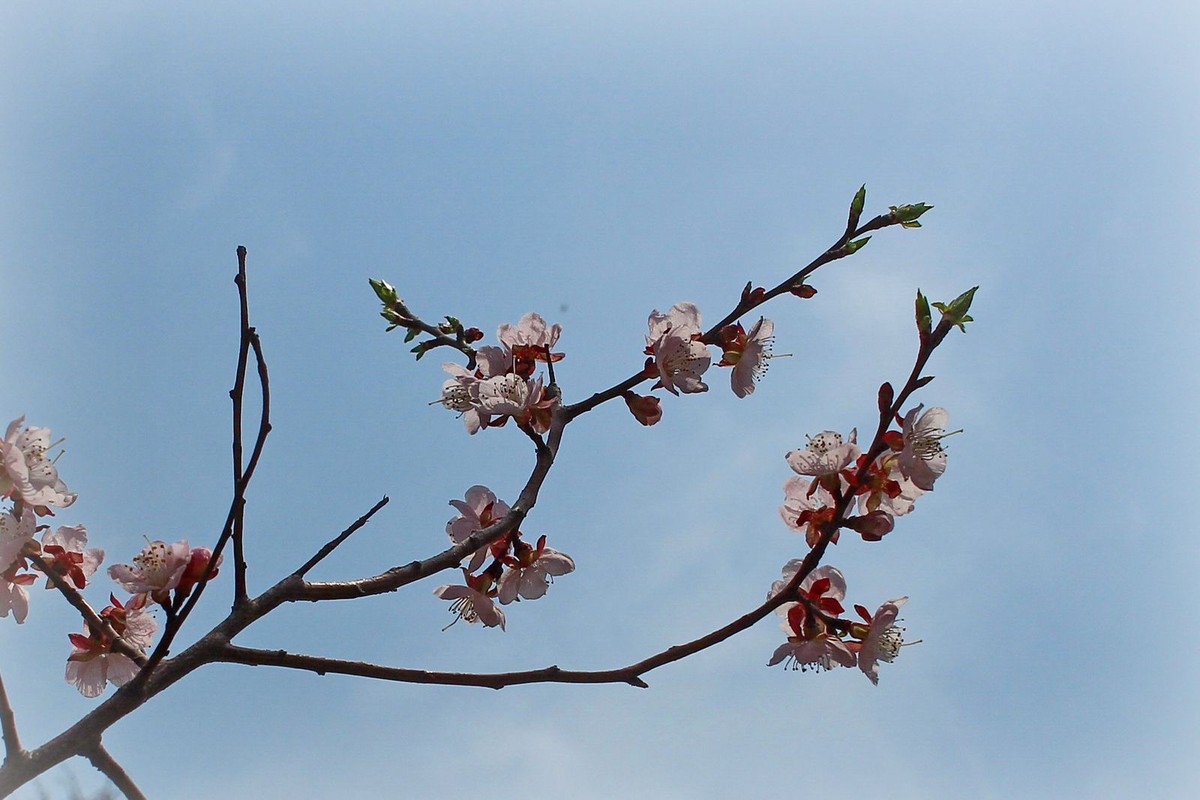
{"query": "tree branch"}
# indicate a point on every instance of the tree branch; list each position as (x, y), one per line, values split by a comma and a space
(8, 725)
(102, 760)
(341, 537)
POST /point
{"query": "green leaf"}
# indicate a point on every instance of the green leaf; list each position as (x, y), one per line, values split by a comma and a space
(907, 215)
(412, 334)
(955, 312)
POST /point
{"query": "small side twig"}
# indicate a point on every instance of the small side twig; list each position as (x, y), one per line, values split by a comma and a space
(8, 726)
(102, 760)
(341, 537)
(94, 621)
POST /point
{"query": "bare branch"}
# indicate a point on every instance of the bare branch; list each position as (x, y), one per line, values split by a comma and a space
(341, 537)
(8, 725)
(102, 760)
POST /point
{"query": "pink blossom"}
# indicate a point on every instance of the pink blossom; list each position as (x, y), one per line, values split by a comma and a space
(882, 639)
(532, 570)
(459, 391)
(92, 663)
(808, 507)
(835, 590)
(63, 551)
(825, 454)
(531, 331)
(26, 473)
(14, 533)
(679, 355)
(748, 354)
(817, 654)
(479, 510)
(529, 342)
(473, 602)
(923, 460)
(13, 596)
(502, 395)
(158, 568)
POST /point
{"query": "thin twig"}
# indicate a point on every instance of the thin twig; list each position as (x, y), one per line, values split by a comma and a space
(8, 724)
(236, 394)
(96, 624)
(341, 537)
(102, 760)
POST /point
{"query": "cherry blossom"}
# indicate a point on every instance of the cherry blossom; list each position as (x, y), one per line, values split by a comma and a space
(808, 507)
(157, 569)
(923, 460)
(12, 592)
(479, 510)
(63, 550)
(14, 533)
(882, 638)
(679, 355)
(806, 648)
(748, 354)
(92, 663)
(459, 391)
(885, 488)
(528, 341)
(532, 570)
(837, 581)
(825, 454)
(473, 602)
(26, 474)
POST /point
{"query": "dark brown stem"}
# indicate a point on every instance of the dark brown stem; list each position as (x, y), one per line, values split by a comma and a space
(102, 760)
(8, 726)
(96, 624)
(341, 537)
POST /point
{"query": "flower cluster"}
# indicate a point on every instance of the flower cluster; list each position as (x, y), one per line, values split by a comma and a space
(502, 384)
(680, 357)
(883, 489)
(819, 639)
(162, 573)
(29, 480)
(833, 474)
(517, 571)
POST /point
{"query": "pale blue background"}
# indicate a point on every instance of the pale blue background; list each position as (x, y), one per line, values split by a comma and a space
(592, 162)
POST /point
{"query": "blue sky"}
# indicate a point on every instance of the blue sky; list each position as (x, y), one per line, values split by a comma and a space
(592, 162)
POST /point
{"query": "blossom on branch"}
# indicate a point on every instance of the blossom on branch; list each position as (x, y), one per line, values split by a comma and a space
(528, 341)
(13, 596)
(881, 638)
(748, 353)
(93, 664)
(157, 569)
(63, 551)
(679, 355)
(480, 509)
(27, 475)
(15, 532)
(808, 507)
(473, 601)
(923, 460)
(825, 454)
(532, 570)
